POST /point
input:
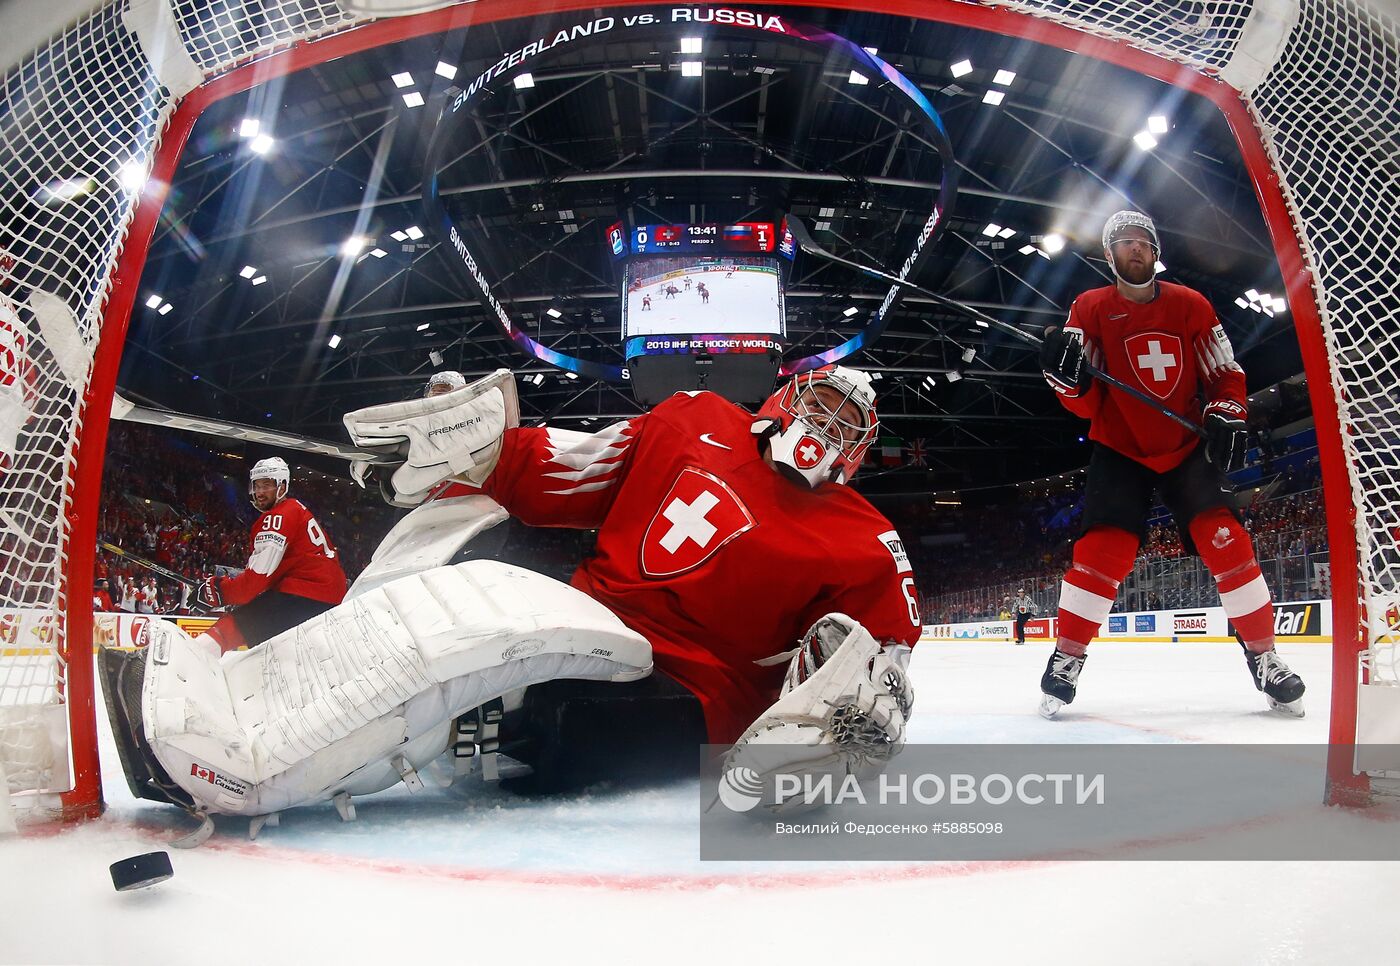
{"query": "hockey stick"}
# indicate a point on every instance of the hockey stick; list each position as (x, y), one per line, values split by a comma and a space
(125, 409)
(808, 244)
(191, 586)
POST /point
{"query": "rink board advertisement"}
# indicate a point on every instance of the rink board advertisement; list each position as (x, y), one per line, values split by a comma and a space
(29, 631)
(1032, 802)
(1308, 621)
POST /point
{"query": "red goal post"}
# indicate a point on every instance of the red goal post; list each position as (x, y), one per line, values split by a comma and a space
(1309, 88)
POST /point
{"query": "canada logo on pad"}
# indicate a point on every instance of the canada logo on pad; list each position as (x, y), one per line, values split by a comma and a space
(698, 515)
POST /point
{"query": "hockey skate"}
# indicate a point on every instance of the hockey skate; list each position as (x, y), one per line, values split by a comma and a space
(1282, 688)
(1058, 682)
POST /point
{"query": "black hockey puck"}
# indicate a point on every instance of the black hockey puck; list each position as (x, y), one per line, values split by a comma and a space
(139, 871)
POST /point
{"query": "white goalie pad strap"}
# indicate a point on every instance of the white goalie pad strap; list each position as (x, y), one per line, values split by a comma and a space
(324, 707)
(847, 718)
(456, 433)
(429, 536)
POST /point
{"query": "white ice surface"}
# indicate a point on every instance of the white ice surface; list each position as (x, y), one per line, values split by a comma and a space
(746, 302)
(472, 873)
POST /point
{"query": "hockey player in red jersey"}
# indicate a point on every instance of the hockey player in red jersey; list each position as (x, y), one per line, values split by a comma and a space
(1166, 339)
(723, 537)
(293, 570)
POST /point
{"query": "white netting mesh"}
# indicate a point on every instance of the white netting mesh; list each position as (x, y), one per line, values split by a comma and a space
(83, 108)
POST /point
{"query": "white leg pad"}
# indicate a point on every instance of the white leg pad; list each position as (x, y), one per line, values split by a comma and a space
(328, 706)
(429, 536)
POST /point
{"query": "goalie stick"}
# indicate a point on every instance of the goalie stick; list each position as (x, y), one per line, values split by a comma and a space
(128, 411)
(807, 244)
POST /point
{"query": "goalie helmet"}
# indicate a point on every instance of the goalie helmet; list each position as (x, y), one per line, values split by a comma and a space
(273, 468)
(820, 424)
(1113, 230)
(444, 381)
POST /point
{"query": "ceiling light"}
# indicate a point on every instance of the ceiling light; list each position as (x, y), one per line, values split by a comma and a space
(1145, 140)
(154, 302)
(993, 97)
(961, 67)
(413, 99)
(261, 144)
(982, 324)
(872, 51)
(850, 311)
(132, 176)
(379, 253)
(403, 80)
(553, 313)
(1157, 124)
(1239, 300)
(691, 68)
(765, 70)
(822, 226)
(249, 127)
(1053, 243)
(414, 232)
(969, 354)
(399, 235)
(1280, 305)
(1004, 77)
(954, 376)
(690, 45)
(165, 309)
(1252, 295)
(334, 342)
(571, 375)
(525, 81)
(260, 279)
(248, 271)
(422, 326)
(1027, 249)
(536, 379)
(857, 78)
(445, 70)
(992, 230)
(826, 212)
(1267, 309)
(353, 245)
(1255, 306)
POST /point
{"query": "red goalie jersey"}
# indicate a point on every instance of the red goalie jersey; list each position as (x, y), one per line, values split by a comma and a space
(706, 550)
(1173, 348)
(288, 552)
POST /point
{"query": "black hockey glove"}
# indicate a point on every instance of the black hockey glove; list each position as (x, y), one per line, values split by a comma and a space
(1225, 434)
(209, 594)
(1062, 361)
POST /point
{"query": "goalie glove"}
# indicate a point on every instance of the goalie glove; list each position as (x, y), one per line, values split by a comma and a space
(457, 434)
(842, 711)
(1062, 361)
(209, 594)
(1225, 434)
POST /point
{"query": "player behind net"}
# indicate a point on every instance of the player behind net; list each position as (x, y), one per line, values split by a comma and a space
(1166, 339)
(739, 592)
(293, 571)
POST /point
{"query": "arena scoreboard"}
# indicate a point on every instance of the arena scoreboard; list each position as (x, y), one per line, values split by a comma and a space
(744, 238)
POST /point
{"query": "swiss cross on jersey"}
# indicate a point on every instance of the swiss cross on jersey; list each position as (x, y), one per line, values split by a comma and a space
(1157, 359)
(698, 515)
(808, 452)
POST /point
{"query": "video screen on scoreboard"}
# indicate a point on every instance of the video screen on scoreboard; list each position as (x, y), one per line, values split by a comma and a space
(686, 294)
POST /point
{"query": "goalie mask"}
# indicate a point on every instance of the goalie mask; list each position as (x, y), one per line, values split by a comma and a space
(1116, 229)
(273, 468)
(820, 424)
(445, 381)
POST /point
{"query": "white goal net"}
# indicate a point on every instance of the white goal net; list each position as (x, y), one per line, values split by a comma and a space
(1310, 85)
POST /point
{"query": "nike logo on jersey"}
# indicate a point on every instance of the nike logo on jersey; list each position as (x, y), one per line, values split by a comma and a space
(705, 438)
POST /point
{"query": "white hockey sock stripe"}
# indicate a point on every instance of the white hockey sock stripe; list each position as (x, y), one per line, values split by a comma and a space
(1247, 599)
(1084, 603)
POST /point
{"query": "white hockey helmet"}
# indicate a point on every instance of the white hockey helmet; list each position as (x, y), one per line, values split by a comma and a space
(806, 430)
(273, 468)
(444, 381)
(1113, 230)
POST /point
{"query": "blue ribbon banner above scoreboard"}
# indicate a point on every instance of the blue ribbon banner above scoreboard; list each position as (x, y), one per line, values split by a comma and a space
(750, 237)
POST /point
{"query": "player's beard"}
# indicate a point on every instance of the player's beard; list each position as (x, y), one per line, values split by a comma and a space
(1134, 273)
